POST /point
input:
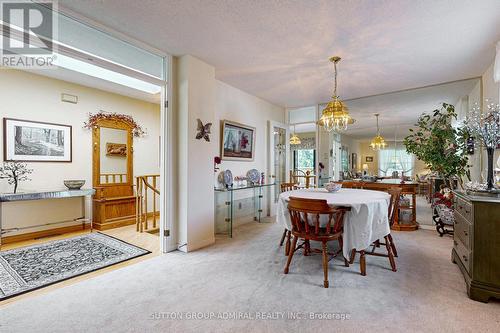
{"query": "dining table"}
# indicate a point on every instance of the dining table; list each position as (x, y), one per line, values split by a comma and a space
(366, 222)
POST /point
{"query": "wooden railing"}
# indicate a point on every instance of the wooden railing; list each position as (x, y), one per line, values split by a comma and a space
(106, 177)
(147, 187)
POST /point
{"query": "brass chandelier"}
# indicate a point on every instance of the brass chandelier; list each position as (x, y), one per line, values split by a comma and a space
(378, 142)
(294, 139)
(335, 115)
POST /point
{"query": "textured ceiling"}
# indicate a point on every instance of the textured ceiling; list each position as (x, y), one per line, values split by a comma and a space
(278, 50)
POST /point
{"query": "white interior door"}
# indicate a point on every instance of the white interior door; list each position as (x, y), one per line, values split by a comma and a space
(278, 160)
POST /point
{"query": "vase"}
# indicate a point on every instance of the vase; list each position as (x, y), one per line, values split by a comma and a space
(490, 152)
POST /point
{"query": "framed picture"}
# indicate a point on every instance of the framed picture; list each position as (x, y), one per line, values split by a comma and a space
(238, 142)
(33, 141)
(369, 159)
(116, 149)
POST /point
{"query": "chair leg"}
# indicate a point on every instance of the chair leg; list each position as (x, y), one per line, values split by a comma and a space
(362, 262)
(307, 247)
(325, 264)
(283, 237)
(287, 245)
(353, 256)
(393, 246)
(290, 254)
(341, 245)
(389, 252)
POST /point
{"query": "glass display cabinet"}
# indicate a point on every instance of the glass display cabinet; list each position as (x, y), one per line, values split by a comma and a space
(238, 205)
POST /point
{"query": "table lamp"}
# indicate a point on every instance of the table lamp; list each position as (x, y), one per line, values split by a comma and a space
(365, 169)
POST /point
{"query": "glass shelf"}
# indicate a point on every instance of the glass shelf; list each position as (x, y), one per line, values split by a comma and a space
(239, 204)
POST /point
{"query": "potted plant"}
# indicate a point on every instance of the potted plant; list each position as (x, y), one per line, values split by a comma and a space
(440, 145)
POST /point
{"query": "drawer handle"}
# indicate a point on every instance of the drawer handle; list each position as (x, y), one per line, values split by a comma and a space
(464, 258)
(465, 233)
(455, 242)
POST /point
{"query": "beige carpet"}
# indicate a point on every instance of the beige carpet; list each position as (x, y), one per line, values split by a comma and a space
(244, 275)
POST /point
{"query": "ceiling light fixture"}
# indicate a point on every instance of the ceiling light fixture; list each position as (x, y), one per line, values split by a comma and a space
(294, 139)
(335, 115)
(378, 142)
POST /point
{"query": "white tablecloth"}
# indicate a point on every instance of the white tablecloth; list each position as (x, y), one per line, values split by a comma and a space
(365, 223)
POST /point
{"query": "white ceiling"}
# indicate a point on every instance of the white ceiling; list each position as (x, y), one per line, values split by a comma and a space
(279, 50)
(67, 75)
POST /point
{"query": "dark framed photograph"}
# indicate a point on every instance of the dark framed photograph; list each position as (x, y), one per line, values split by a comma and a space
(34, 141)
(369, 159)
(238, 142)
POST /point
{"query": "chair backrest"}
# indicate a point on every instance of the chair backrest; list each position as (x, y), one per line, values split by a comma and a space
(352, 184)
(305, 216)
(285, 187)
(395, 193)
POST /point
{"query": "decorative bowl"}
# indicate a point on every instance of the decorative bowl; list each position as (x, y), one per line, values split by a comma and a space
(332, 187)
(74, 184)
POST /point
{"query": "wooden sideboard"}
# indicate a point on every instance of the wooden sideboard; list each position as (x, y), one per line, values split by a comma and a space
(408, 188)
(476, 244)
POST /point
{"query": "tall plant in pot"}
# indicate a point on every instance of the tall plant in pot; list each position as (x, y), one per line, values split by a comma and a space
(440, 145)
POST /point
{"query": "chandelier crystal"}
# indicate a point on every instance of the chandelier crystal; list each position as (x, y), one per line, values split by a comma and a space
(378, 142)
(335, 115)
(294, 139)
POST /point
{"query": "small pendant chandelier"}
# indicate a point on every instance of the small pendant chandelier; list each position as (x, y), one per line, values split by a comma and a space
(378, 142)
(335, 115)
(294, 139)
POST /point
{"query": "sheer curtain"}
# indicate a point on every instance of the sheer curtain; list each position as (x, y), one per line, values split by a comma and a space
(395, 159)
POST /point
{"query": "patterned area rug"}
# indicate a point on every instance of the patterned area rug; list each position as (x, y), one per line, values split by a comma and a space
(33, 267)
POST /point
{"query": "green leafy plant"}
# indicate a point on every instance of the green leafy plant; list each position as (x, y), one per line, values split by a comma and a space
(440, 145)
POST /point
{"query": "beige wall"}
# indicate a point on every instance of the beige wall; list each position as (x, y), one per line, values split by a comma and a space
(33, 97)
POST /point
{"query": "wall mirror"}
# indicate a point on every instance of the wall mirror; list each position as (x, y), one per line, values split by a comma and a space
(113, 158)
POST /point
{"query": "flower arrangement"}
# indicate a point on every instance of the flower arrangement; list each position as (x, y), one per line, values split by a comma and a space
(137, 130)
(485, 127)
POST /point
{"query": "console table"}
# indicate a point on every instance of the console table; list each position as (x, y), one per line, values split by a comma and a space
(476, 244)
(225, 200)
(10, 197)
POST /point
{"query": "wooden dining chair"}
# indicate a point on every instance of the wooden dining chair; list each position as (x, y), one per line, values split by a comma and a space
(395, 193)
(305, 216)
(285, 187)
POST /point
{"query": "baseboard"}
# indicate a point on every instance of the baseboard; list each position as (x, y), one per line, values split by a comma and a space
(200, 244)
(43, 233)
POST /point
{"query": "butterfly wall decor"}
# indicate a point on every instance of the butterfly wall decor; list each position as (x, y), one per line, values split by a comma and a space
(203, 131)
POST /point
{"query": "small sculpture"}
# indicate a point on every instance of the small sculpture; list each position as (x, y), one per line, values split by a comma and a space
(203, 131)
(15, 172)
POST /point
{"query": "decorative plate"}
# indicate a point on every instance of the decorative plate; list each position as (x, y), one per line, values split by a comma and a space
(253, 175)
(228, 177)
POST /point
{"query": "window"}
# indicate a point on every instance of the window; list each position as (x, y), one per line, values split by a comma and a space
(304, 159)
(395, 160)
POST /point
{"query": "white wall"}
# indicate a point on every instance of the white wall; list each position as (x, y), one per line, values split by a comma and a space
(195, 99)
(33, 97)
(239, 106)
(200, 95)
